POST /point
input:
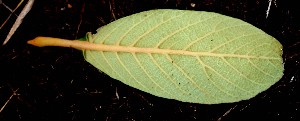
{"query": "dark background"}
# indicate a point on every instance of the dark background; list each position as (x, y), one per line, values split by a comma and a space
(58, 84)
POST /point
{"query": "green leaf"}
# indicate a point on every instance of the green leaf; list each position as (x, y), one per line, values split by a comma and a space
(190, 56)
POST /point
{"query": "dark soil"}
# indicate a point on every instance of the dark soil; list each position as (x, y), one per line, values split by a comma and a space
(58, 84)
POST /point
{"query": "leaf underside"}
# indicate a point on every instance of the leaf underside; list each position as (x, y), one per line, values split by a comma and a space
(190, 56)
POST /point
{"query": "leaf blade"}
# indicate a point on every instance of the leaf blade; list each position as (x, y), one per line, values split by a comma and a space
(209, 59)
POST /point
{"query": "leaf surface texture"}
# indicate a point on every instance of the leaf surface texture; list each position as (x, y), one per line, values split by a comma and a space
(190, 56)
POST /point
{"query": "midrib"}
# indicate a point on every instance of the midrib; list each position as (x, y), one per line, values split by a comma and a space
(115, 48)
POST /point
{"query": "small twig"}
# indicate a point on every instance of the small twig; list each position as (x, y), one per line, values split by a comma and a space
(117, 95)
(12, 11)
(112, 8)
(80, 22)
(268, 10)
(13, 94)
(19, 20)
(226, 113)
(269, 7)
(6, 6)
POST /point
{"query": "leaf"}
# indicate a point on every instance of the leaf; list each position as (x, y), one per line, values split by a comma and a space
(190, 56)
